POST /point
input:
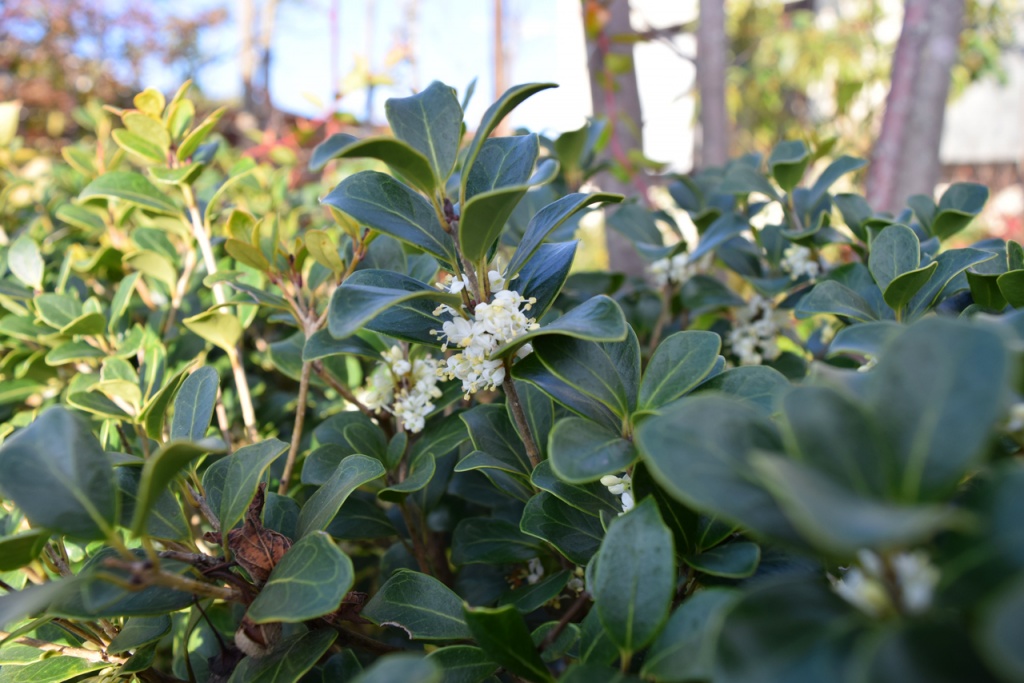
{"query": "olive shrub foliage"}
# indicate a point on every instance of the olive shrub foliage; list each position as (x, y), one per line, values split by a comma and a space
(264, 422)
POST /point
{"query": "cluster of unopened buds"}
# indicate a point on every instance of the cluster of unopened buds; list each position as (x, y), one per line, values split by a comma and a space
(621, 487)
(676, 269)
(903, 582)
(478, 333)
(798, 261)
(405, 388)
(753, 338)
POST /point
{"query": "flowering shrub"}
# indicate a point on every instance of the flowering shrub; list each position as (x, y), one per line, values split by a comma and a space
(393, 436)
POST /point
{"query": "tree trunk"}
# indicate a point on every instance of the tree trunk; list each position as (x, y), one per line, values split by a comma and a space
(247, 53)
(712, 57)
(616, 98)
(500, 69)
(905, 160)
(268, 19)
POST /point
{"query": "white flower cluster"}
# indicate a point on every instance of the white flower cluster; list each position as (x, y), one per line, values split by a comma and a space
(492, 324)
(753, 339)
(577, 583)
(799, 261)
(677, 269)
(621, 487)
(904, 582)
(404, 388)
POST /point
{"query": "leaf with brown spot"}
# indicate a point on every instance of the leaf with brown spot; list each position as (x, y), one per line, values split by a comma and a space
(256, 548)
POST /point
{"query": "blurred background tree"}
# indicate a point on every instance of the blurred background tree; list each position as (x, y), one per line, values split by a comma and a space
(56, 54)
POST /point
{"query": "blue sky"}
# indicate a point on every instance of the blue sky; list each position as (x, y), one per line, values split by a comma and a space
(454, 46)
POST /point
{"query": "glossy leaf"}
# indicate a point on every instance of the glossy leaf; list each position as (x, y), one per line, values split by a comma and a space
(368, 294)
(288, 661)
(957, 207)
(322, 506)
(462, 664)
(382, 203)
(160, 469)
(400, 157)
(635, 577)
(680, 362)
(549, 219)
(194, 403)
(420, 605)
(576, 534)
(582, 451)
(57, 474)
(19, 549)
(502, 634)
(25, 262)
(402, 666)
(431, 123)
(685, 649)
(734, 560)
(244, 472)
(223, 330)
(895, 251)
(310, 581)
(494, 115)
(491, 541)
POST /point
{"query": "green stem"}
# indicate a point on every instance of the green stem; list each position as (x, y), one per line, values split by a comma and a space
(300, 419)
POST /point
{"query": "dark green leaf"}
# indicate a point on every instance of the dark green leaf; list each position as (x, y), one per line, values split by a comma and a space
(502, 634)
(837, 299)
(400, 157)
(57, 474)
(685, 650)
(735, 560)
(487, 540)
(840, 522)
(758, 385)
(139, 631)
(431, 123)
(420, 605)
(680, 363)
(635, 577)
(403, 666)
(549, 219)
(951, 263)
(461, 664)
(936, 393)
(576, 534)
(901, 290)
(590, 498)
(289, 661)
(895, 251)
(382, 203)
(1000, 630)
(582, 451)
(788, 161)
(698, 450)
(322, 506)
(161, 469)
(166, 520)
(367, 294)
(322, 345)
(244, 471)
(18, 550)
(1011, 286)
(958, 206)
(309, 581)
(492, 117)
(193, 406)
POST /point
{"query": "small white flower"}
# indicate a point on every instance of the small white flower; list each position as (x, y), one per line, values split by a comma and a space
(535, 571)
(493, 323)
(1016, 421)
(622, 487)
(403, 388)
(799, 261)
(753, 338)
(908, 585)
(677, 269)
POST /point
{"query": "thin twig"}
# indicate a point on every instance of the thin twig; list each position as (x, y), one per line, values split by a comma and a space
(358, 640)
(300, 419)
(77, 652)
(345, 392)
(234, 356)
(566, 619)
(532, 452)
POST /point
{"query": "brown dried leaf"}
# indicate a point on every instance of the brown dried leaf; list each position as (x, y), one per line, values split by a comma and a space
(256, 548)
